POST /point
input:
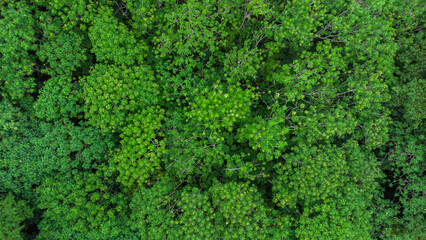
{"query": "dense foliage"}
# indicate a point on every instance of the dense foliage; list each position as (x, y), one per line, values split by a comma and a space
(242, 119)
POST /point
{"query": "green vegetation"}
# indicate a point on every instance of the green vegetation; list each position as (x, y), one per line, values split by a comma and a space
(243, 119)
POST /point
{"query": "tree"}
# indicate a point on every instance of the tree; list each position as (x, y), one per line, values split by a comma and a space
(17, 38)
(113, 93)
(12, 214)
(212, 119)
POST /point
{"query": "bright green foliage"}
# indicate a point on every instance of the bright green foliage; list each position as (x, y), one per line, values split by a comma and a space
(12, 214)
(17, 37)
(112, 93)
(142, 148)
(113, 42)
(221, 108)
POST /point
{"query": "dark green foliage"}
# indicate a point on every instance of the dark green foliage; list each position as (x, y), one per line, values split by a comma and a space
(212, 119)
(12, 214)
(20, 165)
(58, 99)
(405, 153)
(225, 211)
(17, 38)
(87, 207)
(409, 92)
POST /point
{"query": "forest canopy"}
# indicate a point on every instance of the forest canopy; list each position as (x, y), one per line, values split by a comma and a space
(242, 119)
